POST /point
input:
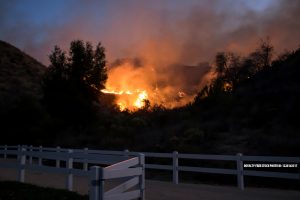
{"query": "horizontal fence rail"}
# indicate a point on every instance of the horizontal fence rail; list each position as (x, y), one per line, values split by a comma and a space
(90, 156)
(239, 159)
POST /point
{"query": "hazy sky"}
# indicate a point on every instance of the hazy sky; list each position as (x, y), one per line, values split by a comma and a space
(188, 31)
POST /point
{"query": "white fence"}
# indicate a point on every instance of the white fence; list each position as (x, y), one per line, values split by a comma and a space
(239, 170)
(117, 166)
(89, 156)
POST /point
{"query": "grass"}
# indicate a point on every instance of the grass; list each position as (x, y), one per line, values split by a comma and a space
(10, 190)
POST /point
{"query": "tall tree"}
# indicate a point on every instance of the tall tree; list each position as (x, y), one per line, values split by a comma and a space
(262, 56)
(72, 83)
(221, 63)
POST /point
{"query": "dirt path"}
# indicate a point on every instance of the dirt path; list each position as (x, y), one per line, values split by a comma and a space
(158, 190)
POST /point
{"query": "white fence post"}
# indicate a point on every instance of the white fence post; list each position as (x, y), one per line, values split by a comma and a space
(57, 164)
(101, 184)
(24, 147)
(142, 177)
(85, 164)
(22, 157)
(30, 157)
(126, 152)
(40, 160)
(96, 191)
(240, 172)
(69, 181)
(5, 153)
(18, 149)
(175, 167)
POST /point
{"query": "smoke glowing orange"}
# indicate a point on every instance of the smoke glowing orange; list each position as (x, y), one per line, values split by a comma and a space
(133, 84)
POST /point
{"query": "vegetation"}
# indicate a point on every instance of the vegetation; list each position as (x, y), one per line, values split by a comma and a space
(251, 106)
(72, 84)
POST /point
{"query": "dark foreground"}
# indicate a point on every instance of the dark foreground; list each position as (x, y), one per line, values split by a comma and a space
(155, 190)
(11, 190)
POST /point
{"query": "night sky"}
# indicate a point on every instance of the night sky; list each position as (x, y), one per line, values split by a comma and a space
(183, 31)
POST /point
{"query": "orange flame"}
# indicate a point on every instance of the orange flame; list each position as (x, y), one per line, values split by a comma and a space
(133, 84)
(130, 100)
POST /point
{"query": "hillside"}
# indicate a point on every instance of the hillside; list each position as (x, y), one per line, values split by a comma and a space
(20, 88)
(20, 74)
(258, 117)
(271, 107)
(261, 115)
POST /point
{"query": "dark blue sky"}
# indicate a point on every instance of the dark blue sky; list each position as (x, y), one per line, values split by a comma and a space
(185, 31)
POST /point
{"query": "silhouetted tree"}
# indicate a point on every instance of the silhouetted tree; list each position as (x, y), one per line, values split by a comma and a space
(232, 69)
(262, 56)
(72, 83)
(231, 76)
(221, 63)
(87, 67)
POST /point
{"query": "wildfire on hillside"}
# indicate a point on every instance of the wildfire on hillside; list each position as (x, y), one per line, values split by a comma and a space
(134, 84)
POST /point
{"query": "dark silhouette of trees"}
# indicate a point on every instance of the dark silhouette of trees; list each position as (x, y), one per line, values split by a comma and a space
(230, 69)
(86, 67)
(261, 57)
(221, 62)
(72, 83)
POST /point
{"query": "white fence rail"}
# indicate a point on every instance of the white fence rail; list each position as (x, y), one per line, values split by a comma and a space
(87, 156)
(239, 170)
(117, 166)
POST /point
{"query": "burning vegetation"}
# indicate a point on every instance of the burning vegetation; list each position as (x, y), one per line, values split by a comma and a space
(136, 83)
(130, 100)
(147, 82)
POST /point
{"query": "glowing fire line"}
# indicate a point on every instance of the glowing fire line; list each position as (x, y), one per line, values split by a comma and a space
(137, 102)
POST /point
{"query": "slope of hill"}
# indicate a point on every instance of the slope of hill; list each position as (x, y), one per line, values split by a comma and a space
(20, 92)
(20, 74)
(261, 116)
(271, 107)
